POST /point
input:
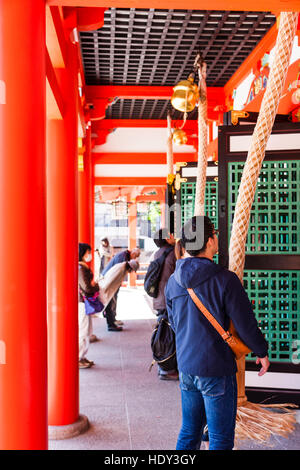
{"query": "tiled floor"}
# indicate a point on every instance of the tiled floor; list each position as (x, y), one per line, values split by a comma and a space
(127, 406)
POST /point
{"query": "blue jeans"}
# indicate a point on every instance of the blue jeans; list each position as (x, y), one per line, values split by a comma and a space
(212, 400)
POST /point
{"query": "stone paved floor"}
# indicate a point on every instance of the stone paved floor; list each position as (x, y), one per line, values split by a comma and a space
(127, 406)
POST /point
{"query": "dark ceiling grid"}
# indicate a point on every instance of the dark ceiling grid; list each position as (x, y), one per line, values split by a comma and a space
(227, 42)
(171, 60)
(162, 42)
(112, 46)
(96, 46)
(193, 45)
(193, 114)
(177, 45)
(158, 47)
(129, 44)
(145, 43)
(238, 49)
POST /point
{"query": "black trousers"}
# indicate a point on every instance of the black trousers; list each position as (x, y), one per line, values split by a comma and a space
(111, 310)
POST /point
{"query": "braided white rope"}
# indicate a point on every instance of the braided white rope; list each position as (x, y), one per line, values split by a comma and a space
(262, 131)
(202, 143)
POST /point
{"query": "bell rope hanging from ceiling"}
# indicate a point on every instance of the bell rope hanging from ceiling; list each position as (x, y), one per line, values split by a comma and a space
(185, 97)
(202, 138)
(169, 222)
(170, 161)
(186, 94)
(254, 421)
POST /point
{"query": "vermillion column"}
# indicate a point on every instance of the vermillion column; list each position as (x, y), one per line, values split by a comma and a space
(62, 252)
(84, 194)
(23, 333)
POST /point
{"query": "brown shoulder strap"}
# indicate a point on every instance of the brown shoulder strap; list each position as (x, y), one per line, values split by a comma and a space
(225, 334)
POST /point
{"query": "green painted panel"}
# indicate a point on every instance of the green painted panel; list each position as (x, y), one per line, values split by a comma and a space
(188, 191)
(275, 297)
(274, 226)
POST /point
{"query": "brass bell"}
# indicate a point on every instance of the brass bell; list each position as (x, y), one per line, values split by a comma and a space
(179, 137)
(185, 95)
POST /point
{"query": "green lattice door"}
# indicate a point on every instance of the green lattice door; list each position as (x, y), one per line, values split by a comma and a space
(272, 263)
(186, 189)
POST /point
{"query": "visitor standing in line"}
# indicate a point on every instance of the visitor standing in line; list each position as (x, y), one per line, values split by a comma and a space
(207, 366)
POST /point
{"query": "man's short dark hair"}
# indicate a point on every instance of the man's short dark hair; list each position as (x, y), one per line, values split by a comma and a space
(195, 234)
(160, 237)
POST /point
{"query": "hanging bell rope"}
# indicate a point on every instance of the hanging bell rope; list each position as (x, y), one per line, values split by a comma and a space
(202, 138)
(170, 158)
(255, 421)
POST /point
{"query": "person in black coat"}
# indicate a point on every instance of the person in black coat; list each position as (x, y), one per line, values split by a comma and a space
(165, 242)
(207, 366)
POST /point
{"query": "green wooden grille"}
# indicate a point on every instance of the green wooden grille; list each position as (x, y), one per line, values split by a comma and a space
(275, 298)
(188, 191)
(274, 226)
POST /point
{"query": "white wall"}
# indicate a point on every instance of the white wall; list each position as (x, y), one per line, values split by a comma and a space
(139, 140)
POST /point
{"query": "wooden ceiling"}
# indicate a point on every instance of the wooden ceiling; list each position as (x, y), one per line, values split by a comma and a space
(157, 47)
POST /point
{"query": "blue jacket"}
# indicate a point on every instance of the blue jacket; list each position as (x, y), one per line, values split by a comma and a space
(118, 258)
(200, 349)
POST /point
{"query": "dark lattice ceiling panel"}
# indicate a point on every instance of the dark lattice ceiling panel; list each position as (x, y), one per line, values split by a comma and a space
(158, 47)
(144, 109)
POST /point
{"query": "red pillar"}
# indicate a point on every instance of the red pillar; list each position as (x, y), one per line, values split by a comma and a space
(23, 327)
(84, 193)
(92, 199)
(62, 252)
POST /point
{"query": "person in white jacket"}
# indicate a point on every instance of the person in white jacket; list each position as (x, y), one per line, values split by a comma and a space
(112, 280)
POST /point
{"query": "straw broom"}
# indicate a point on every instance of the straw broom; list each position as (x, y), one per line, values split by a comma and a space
(256, 421)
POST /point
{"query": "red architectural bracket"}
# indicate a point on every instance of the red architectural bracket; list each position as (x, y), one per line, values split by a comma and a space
(90, 19)
(98, 108)
(102, 136)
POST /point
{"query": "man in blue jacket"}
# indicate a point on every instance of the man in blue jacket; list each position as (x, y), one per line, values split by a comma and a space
(207, 367)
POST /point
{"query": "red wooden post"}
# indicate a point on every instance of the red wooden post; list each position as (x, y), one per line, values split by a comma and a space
(23, 327)
(84, 193)
(62, 252)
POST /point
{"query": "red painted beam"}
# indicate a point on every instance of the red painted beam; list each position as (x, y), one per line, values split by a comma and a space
(134, 181)
(214, 94)
(138, 158)
(152, 123)
(128, 92)
(265, 45)
(107, 93)
(53, 82)
(149, 198)
(248, 5)
(60, 32)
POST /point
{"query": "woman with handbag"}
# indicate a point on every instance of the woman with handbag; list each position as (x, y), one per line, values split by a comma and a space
(88, 288)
